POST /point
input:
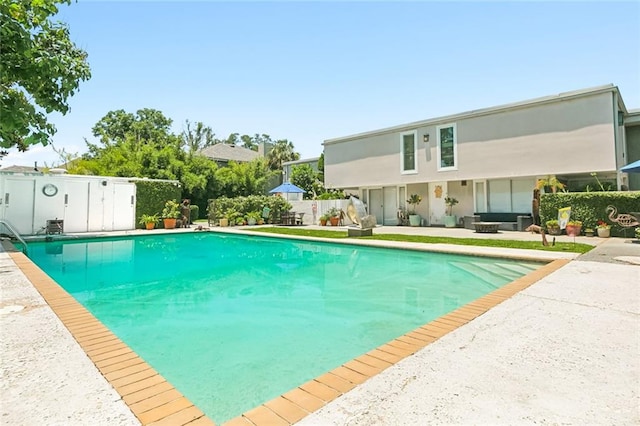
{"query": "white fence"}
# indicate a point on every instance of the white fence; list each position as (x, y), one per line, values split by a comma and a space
(313, 209)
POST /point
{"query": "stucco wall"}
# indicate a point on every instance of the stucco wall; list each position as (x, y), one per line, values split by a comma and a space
(567, 136)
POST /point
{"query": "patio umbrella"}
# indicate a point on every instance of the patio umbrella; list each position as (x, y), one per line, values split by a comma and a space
(287, 188)
(632, 167)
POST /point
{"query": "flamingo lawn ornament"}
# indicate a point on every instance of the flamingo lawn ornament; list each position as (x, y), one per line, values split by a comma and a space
(625, 220)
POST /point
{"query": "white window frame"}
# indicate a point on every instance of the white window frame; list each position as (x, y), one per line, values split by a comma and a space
(455, 147)
(415, 153)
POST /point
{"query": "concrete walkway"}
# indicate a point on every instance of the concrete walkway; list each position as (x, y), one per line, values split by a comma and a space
(46, 378)
(566, 350)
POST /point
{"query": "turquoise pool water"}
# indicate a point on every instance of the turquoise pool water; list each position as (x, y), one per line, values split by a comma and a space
(233, 321)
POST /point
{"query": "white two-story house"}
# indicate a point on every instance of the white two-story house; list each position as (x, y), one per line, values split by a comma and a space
(488, 159)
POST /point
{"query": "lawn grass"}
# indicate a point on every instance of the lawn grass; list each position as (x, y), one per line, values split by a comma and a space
(531, 245)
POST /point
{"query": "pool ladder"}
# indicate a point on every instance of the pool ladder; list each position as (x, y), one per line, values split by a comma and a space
(13, 231)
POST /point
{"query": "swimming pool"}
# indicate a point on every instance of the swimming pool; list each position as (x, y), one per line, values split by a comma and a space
(233, 321)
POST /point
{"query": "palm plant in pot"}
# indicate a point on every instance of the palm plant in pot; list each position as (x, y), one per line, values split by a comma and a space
(149, 220)
(450, 219)
(414, 218)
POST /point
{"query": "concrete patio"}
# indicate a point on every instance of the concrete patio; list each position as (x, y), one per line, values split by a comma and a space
(565, 350)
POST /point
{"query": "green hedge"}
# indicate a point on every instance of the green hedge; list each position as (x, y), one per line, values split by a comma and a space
(152, 195)
(590, 207)
(195, 212)
(233, 208)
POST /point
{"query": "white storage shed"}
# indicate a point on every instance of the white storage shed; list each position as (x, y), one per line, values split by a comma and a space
(67, 203)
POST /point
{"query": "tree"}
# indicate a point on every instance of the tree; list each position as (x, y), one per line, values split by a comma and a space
(197, 137)
(281, 152)
(40, 68)
(145, 126)
(242, 179)
(303, 176)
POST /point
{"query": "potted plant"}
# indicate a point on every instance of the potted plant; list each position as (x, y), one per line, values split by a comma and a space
(450, 219)
(550, 183)
(334, 216)
(573, 228)
(170, 214)
(324, 219)
(414, 218)
(553, 227)
(589, 232)
(253, 217)
(603, 229)
(149, 220)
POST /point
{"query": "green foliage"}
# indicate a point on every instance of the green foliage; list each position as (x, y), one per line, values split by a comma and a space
(304, 177)
(242, 179)
(282, 151)
(255, 215)
(332, 194)
(414, 200)
(148, 218)
(221, 207)
(589, 207)
(40, 68)
(171, 210)
(152, 195)
(195, 212)
(450, 202)
(197, 136)
(141, 145)
(333, 212)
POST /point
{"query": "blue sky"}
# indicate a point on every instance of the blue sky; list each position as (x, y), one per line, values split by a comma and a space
(310, 71)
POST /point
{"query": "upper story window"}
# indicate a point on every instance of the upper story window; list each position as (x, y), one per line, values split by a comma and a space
(447, 147)
(408, 147)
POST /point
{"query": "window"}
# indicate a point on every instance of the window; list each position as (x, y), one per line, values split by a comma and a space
(408, 147)
(447, 147)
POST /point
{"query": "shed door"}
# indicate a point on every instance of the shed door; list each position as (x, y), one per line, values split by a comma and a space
(76, 207)
(124, 206)
(18, 201)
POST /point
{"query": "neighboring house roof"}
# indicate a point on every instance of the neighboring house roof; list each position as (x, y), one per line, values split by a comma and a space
(228, 152)
(20, 169)
(485, 111)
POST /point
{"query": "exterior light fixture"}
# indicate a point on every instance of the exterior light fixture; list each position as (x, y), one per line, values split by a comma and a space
(425, 138)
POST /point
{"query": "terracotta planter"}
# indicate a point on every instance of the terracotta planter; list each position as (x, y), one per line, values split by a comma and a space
(334, 221)
(604, 232)
(323, 222)
(573, 230)
(169, 223)
(150, 225)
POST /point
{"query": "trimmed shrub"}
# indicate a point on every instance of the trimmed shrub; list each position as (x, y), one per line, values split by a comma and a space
(151, 197)
(219, 207)
(195, 212)
(589, 207)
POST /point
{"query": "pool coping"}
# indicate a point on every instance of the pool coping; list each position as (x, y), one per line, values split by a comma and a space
(153, 400)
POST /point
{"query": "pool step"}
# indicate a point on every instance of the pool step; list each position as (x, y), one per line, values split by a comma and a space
(488, 272)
